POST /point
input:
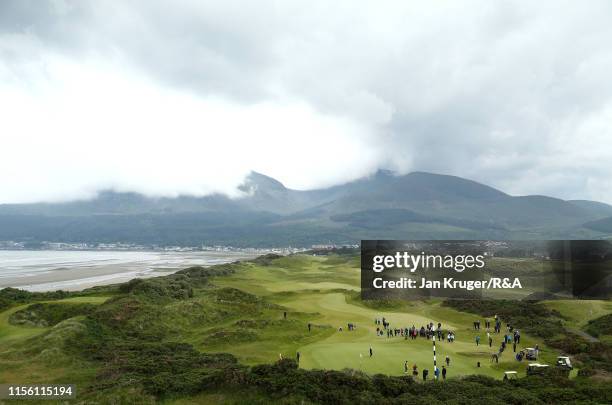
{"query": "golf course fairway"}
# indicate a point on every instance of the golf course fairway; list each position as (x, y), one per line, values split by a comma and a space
(323, 291)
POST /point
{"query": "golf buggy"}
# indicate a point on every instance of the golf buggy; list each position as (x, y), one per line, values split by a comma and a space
(531, 353)
(537, 369)
(564, 363)
(510, 375)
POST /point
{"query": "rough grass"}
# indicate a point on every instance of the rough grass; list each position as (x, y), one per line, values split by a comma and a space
(600, 326)
(160, 339)
(49, 314)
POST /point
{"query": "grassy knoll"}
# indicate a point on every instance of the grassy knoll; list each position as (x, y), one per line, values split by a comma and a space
(216, 335)
(34, 354)
(601, 328)
(10, 331)
(577, 313)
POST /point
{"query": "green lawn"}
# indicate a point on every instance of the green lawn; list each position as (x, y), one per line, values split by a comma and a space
(321, 286)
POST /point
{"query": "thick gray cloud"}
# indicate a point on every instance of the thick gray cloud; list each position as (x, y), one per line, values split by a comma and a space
(188, 96)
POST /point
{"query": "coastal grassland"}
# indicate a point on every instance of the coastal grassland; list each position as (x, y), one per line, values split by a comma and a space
(215, 335)
(31, 352)
(296, 273)
(19, 331)
(335, 305)
(593, 317)
(601, 328)
(577, 313)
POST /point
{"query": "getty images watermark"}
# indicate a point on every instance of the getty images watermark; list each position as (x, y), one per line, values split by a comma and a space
(486, 269)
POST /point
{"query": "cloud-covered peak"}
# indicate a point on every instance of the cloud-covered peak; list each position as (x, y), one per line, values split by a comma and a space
(188, 98)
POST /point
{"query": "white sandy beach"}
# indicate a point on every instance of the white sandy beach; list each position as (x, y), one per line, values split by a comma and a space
(46, 270)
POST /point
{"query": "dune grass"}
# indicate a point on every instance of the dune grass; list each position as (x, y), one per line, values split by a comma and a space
(242, 312)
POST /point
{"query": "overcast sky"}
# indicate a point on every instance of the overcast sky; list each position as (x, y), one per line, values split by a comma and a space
(186, 97)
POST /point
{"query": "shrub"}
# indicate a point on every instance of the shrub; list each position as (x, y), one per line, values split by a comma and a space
(600, 326)
(49, 314)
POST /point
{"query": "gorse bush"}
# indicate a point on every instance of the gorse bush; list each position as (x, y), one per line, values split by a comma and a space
(156, 289)
(529, 316)
(284, 380)
(49, 314)
(266, 260)
(600, 326)
(13, 296)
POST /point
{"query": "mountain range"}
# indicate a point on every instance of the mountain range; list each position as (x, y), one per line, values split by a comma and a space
(382, 206)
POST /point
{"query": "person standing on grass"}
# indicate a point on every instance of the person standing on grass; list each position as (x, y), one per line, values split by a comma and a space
(309, 326)
(447, 360)
(490, 341)
(425, 372)
(298, 357)
(477, 340)
(371, 351)
(443, 373)
(406, 367)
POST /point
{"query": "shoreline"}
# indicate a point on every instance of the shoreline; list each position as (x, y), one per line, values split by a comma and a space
(37, 271)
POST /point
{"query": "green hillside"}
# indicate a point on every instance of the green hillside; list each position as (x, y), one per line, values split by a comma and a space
(216, 335)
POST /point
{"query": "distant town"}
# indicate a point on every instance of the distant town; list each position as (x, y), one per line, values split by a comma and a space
(119, 246)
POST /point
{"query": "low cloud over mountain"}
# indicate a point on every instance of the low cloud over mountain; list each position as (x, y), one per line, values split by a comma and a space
(187, 98)
(417, 205)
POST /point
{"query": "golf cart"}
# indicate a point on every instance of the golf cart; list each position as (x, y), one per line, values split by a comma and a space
(531, 353)
(537, 369)
(564, 363)
(510, 375)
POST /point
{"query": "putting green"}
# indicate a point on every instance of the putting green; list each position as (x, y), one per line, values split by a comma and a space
(322, 287)
(350, 349)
